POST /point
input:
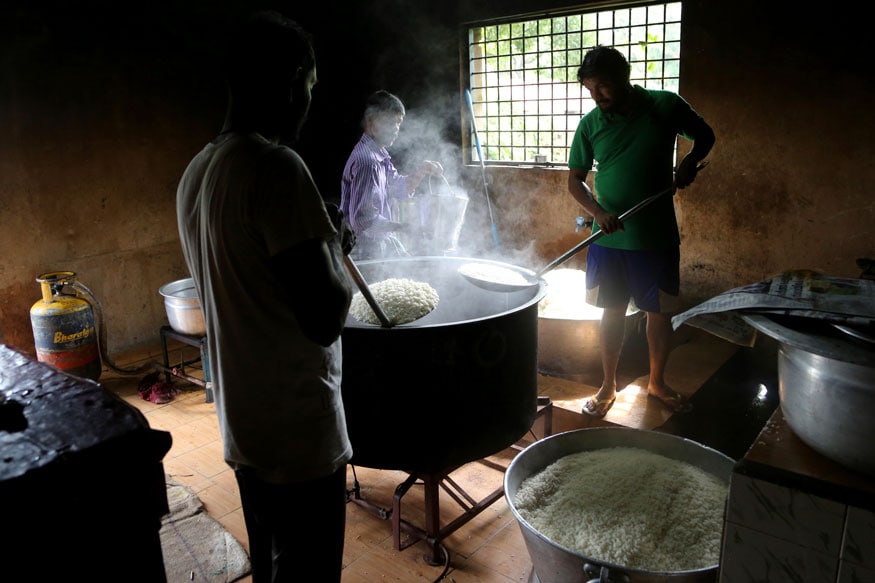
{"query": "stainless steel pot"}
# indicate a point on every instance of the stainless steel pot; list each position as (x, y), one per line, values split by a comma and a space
(569, 343)
(827, 388)
(569, 347)
(455, 386)
(183, 307)
(554, 563)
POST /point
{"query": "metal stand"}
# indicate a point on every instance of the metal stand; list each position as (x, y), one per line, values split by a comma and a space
(199, 342)
(433, 533)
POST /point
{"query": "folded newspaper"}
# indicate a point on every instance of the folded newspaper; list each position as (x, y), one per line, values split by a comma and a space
(800, 293)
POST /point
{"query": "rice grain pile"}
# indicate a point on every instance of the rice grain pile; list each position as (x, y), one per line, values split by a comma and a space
(628, 506)
(402, 300)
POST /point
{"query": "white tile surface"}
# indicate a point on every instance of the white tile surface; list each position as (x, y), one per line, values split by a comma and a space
(850, 573)
(859, 544)
(750, 556)
(797, 517)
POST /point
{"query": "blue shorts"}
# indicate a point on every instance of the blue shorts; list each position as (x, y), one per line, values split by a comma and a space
(651, 279)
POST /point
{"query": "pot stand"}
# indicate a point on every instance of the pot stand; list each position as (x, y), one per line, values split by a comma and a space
(432, 482)
(178, 370)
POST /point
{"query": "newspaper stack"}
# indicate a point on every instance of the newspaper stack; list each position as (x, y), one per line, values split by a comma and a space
(842, 301)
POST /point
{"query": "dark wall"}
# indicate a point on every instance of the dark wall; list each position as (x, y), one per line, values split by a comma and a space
(102, 104)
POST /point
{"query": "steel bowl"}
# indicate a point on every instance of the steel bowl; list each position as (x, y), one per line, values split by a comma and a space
(183, 307)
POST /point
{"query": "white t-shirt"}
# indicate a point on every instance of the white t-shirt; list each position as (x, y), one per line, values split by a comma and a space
(241, 201)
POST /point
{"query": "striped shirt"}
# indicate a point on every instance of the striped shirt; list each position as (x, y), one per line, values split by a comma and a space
(369, 183)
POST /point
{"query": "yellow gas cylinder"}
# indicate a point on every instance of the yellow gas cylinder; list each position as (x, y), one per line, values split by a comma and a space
(63, 328)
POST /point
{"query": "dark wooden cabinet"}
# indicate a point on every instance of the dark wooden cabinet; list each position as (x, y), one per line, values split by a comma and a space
(82, 482)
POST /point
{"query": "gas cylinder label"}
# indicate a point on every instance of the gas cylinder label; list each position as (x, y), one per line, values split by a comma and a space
(61, 338)
(56, 333)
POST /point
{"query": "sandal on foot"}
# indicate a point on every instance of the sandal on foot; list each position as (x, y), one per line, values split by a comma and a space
(676, 402)
(596, 407)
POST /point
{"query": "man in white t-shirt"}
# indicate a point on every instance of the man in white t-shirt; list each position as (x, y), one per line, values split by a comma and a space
(266, 257)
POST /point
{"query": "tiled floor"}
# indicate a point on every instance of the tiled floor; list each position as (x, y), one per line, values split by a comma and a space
(733, 391)
(487, 549)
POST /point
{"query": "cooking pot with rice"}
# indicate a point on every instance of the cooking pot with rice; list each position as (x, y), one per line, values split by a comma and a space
(555, 563)
(454, 386)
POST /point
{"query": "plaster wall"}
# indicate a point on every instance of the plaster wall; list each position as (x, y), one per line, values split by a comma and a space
(99, 121)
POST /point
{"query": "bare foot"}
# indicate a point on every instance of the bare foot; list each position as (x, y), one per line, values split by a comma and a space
(670, 398)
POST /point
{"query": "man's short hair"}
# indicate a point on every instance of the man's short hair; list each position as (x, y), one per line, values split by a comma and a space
(381, 102)
(267, 52)
(604, 63)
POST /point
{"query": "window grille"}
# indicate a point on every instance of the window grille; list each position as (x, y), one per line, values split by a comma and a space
(522, 75)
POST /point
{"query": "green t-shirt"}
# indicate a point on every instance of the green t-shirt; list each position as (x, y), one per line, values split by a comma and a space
(634, 157)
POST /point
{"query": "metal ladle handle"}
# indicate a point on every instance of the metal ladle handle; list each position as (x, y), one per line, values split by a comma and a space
(366, 291)
(598, 234)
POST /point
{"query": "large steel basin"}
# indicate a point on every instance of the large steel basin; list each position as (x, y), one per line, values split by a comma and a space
(554, 563)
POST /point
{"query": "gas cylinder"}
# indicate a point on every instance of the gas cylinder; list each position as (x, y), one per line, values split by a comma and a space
(63, 328)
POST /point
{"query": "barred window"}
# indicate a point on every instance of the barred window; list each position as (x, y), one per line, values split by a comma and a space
(523, 89)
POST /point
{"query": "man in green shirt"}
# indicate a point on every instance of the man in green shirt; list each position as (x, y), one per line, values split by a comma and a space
(630, 136)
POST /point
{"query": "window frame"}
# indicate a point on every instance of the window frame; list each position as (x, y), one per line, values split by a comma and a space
(498, 115)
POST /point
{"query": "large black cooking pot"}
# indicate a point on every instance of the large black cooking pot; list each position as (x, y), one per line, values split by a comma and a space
(455, 386)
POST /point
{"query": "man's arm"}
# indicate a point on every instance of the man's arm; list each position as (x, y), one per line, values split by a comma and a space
(312, 273)
(703, 139)
(584, 196)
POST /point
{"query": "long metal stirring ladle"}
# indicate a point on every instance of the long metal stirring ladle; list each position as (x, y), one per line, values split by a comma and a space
(533, 279)
(366, 291)
(490, 283)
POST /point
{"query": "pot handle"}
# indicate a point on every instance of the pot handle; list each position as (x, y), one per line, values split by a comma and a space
(603, 574)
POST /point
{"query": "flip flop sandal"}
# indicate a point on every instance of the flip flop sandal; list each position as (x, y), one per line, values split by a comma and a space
(676, 402)
(598, 407)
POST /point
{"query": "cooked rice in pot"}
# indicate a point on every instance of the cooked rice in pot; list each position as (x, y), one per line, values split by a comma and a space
(629, 507)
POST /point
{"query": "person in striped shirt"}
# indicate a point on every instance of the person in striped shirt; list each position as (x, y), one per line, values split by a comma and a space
(371, 185)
